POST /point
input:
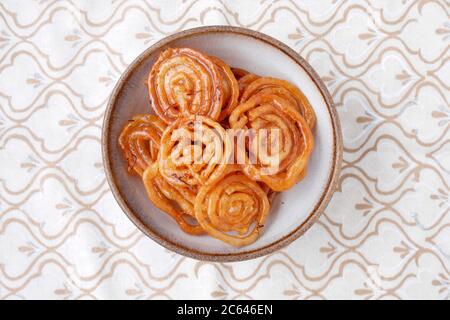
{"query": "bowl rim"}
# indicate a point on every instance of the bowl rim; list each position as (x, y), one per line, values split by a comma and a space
(250, 254)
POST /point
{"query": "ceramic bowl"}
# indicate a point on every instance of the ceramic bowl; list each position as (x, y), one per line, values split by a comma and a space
(294, 211)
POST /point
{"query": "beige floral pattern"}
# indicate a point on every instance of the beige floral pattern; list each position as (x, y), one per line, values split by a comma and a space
(386, 232)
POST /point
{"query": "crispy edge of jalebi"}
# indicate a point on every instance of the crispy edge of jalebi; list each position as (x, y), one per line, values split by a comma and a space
(209, 206)
(294, 168)
(230, 88)
(139, 141)
(245, 81)
(285, 90)
(207, 99)
(162, 194)
(239, 73)
(269, 192)
(193, 174)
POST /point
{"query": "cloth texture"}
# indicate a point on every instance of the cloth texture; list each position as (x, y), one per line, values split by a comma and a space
(386, 231)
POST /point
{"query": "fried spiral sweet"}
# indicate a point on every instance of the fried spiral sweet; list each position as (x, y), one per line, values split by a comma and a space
(222, 144)
(289, 147)
(233, 204)
(175, 201)
(194, 152)
(140, 140)
(283, 89)
(184, 82)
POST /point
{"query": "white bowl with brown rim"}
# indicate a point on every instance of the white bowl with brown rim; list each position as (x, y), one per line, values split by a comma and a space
(294, 211)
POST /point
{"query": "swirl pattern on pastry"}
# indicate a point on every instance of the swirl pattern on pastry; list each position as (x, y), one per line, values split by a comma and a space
(234, 204)
(194, 151)
(140, 140)
(184, 82)
(283, 89)
(288, 141)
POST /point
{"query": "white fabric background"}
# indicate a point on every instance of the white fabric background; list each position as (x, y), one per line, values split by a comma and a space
(386, 232)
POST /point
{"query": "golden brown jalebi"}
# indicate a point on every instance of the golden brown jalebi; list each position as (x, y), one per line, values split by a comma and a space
(187, 159)
(184, 82)
(230, 88)
(235, 204)
(140, 140)
(175, 201)
(194, 151)
(285, 90)
(288, 148)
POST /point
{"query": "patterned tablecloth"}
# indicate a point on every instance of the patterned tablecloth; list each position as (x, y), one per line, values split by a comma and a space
(386, 232)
